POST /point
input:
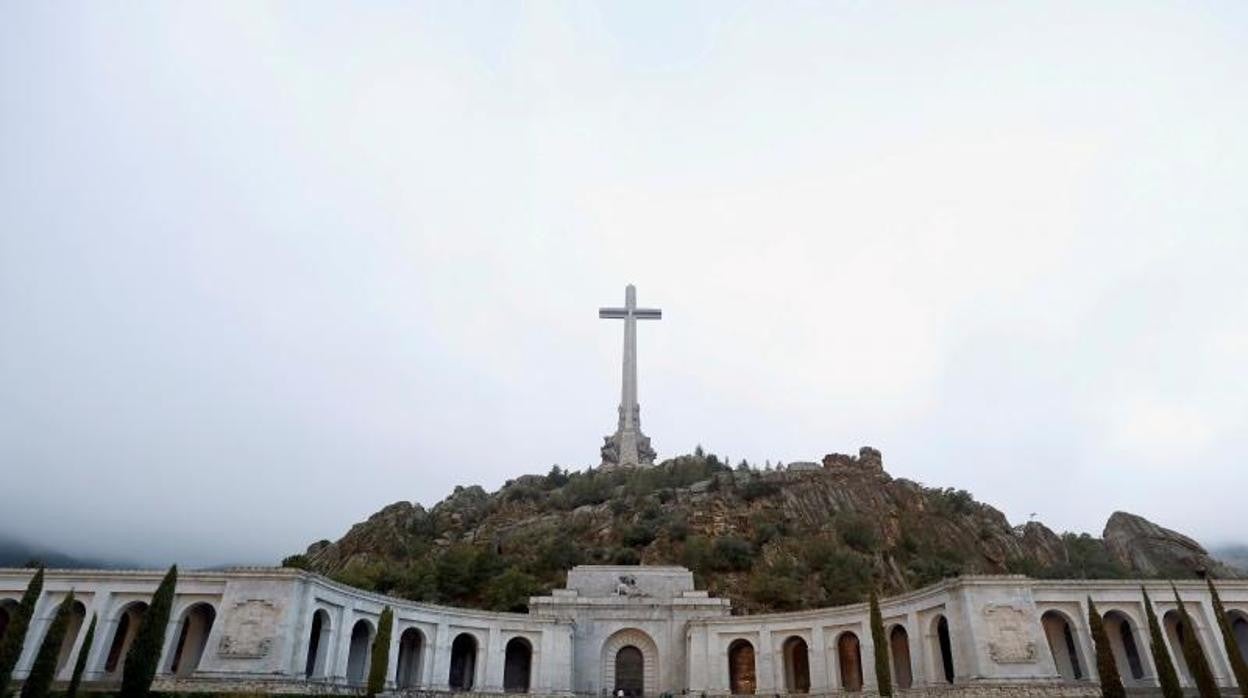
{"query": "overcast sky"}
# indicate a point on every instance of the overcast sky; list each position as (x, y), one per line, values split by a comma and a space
(267, 267)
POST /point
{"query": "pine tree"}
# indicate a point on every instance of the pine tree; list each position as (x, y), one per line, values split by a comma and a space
(1197, 663)
(81, 664)
(144, 654)
(44, 669)
(381, 653)
(879, 642)
(1238, 666)
(15, 633)
(1106, 667)
(1166, 675)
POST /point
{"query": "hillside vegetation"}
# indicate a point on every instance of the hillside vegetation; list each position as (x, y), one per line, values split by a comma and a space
(769, 540)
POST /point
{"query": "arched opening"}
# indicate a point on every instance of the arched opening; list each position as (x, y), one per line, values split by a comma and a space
(849, 656)
(77, 615)
(192, 639)
(899, 649)
(796, 665)
(1176, 630)
(517, 665)
(943, 648)
(1061, 639)
(127, 626)
(359, 653)
(463, 662)
(742, 677)
(630, 672)
(318, 645)
(407, 674)
(1121, 634)
(1239, 629)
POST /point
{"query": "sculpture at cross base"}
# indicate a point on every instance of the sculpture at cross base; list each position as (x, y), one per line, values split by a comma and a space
(628, 447)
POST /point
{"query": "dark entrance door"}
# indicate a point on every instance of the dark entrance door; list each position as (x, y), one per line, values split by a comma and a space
(630, 672)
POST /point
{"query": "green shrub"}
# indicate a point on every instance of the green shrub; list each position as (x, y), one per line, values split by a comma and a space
(639, 535)
(777, 585)
(15, 634)
(626, 556)
(846, 578)
(144, 654)
(731, 554)
(758, 488)
(44, 668)
(1194, 654)
(1106, 666)
(80, 664)
(510, 591)
(1167, 677)
(379, 658)
(856, 531)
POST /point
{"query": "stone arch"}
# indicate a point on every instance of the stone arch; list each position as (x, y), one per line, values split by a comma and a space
(796, 665)
(517, 665)
(463, 674)
(1239, 629)
(1172, 624)
(1059, 631)
(193, 630)
(359, 652)
(641, 643)
(899, 652)
(77, 616)
(318, 644)
(742, 672)
(942, 647)
(411, 653)
(849, 659)
(125, 627)
(1120, 630)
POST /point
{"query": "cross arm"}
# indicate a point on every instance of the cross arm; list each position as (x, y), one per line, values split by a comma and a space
(648, 314)
(614, 313)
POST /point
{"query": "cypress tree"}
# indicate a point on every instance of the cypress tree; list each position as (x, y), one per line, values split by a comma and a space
(381, 653)
(1166, 675)
(1197, 663)
(144, 654)
(15, 633)
(1106, 666)
(1238, 666)
(81, 664)
(44, 669)
(883, 676)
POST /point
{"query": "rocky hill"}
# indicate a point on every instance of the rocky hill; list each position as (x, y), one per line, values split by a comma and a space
(807, 536)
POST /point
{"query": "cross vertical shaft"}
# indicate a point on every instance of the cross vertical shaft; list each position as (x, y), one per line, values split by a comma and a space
(628, 446)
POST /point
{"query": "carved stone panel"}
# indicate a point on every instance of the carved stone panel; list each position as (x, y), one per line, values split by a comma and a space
(250, 628)
(1009, 635)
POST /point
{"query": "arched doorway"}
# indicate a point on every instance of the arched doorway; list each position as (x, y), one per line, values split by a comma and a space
(742, 677)
(359, 652)
(77, 616)
(463, 662)
(1061, 639)
(1175, 632)
(126, 627)
(796, 665)
(407, 674)
(192, 639)
(517, 665)
(943, 649)
(899, 650)
(318, 645)
(1121, 633)
(639, 664)
(1239, 629)
(849, 657)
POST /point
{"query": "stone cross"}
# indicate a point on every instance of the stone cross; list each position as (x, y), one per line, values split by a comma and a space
(628, 446)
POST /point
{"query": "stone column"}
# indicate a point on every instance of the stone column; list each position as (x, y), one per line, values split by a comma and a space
(914, 636)
(392, 653)
(490, 662)
(764, 667)
(820, 679)
(336, 670)
(40, 619)
(440, 648)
